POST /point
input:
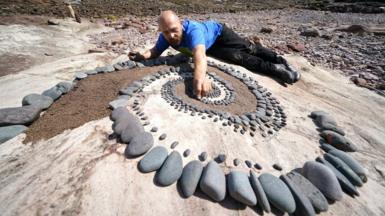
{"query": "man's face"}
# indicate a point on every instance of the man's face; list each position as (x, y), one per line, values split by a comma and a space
(172, 31)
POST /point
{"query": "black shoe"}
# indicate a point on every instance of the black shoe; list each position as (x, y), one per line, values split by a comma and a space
(296, 74)
(284, 74)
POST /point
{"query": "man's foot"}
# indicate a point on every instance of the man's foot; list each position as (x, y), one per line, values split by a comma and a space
(284, 74)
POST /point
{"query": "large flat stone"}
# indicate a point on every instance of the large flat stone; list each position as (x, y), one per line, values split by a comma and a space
(303, 204)
(8, 132)
(171, 169)
(344, 169)
(41, 101)
(239, 188)
(140, 144)
(153, 160)
(259, 192)
(19, 115)
(213, 181)
(324, 179)
(346, 185)
(190, 177)
(351, 162)
(277, 193)
(53, 93)
(315, 196)
(338, 141)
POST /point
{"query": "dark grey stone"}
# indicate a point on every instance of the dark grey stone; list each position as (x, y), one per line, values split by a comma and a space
(248, 163)
(259, 192)
(9, 132)
(221, 158)
(213, 182)
(277, 167)
(64, 87)
(324, 179)
(53, 93)
(163, 136)
(153, 160)
(351, 162)
(338, 141)
(303, 204)
(118, 103)
(277, 193)
(128, 126)
(154, 129)
(186, 153)
(41, 101)
(346, 185)
(327, 147)
(19, 115)
(171, 169)
(174, 144)
(140, 144)
(118, 113)
(203, 156)
(236, 162)
(190, 177)
(344, 169)
(316, 198)
(326, 122)
(239, 188)
(80, 75)
(257, 166)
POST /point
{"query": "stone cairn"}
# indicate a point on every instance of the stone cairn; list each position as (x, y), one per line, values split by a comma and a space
(300, 193)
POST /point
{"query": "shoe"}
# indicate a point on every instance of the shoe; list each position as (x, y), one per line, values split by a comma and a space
(284, 74)
(296, 74)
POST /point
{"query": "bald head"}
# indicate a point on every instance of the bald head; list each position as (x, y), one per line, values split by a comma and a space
(170, 26)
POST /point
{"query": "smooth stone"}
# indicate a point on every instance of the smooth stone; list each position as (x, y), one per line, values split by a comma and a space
(259, 192)
(53, 93)
(221, 158)
(128, 126)
(171, 169)
(91, 72)
(9, 132)
(326, 122)
(41, 101)
(351, 162)
(118, 113)
(19, 115)
(344, 169)
(257, 166)
(153, 160)
(174, 144)
(118, 103)
(277, 193)
(186, 153)
(80, 75)
(248, 163)
(316, 198)
(239, 188)
(277, 167)
(346, 185)
(64, 87)
(190, 177)
(203, 156)
(163, 136)
(236, 162)
(324, 179)
(154, 129)
(327, 147)
(213, 182)
(140, 144)
(303, 204)
(338, 141)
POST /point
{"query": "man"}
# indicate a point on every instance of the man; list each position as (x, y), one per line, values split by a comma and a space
(196, 39)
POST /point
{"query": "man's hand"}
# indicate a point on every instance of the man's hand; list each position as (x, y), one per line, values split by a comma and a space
(201, 87)
(135, 56)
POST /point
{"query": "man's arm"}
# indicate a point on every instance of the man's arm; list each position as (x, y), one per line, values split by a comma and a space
(201, 85)
(148, 54)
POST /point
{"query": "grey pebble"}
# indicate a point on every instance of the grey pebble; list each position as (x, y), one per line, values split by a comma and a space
(153, 160)
(163, 136)
(171, 169)
(190, 177)
(213, 182)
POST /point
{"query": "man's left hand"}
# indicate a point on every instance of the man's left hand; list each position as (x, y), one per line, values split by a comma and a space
(201, 87)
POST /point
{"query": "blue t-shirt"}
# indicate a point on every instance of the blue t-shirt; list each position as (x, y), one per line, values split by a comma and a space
(194, 33)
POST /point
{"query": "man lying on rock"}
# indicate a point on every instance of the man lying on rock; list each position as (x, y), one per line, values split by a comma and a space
(198, 38)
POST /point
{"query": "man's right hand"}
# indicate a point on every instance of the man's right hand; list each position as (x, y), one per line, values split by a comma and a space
(135, 56)
(201, 87)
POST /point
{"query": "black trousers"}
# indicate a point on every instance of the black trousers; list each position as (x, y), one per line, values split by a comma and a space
(229, 46)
